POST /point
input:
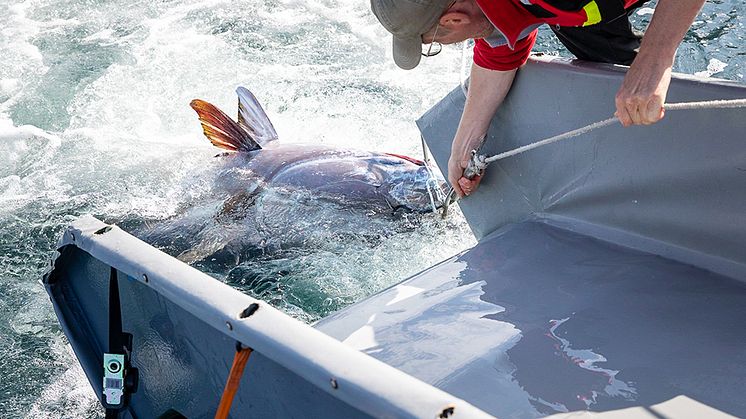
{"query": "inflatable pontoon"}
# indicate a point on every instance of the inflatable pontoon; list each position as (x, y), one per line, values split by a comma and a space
(609, 279)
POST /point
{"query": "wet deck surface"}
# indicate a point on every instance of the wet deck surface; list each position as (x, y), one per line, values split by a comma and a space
(536, 320)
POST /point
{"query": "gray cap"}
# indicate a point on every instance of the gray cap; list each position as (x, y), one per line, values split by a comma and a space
(407, 20)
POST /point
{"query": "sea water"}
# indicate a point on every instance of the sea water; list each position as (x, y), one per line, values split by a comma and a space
(94, 119)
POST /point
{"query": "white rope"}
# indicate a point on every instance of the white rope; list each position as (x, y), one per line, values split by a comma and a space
(708, 104)
(550, 140)
(479, 162)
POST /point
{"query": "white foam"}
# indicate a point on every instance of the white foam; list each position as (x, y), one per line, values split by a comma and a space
(713, 67)
(22, 60)
(643, 11)
(70, 394)
(9, 86)
(104, 35)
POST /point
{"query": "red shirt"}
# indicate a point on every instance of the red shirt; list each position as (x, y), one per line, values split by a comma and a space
(516, 26)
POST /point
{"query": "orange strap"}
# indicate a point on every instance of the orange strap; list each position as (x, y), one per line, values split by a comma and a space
(234, 379)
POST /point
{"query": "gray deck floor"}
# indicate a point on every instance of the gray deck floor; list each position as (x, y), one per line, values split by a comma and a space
(535, 320)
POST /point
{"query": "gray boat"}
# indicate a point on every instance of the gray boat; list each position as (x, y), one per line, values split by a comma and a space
(608, 279)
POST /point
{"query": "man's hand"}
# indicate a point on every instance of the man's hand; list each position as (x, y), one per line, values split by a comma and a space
(640, 99)
(642, 95)
(461, 185)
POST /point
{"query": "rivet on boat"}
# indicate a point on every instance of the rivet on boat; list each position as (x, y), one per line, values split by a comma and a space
(145, 278)
(229, 325)
(334, 384)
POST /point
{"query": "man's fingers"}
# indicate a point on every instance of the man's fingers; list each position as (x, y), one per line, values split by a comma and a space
(638, 112)
(465, 185)
(469, 185)
(639, 109)
(455, 174)
(653, 111)
(461, 185)
(635, 107)
(623, 116)
(636, 115)
(621, 112)
(453, 179)
(457, 188)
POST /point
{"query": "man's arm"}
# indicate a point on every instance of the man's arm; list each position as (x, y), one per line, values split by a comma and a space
(487, 89)
(642, 95)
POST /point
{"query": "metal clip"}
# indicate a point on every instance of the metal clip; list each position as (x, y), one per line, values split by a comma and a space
(450, 199)
(476, 166)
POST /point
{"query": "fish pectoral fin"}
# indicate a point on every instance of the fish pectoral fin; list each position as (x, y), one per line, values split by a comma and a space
(221, 130)
(253, 119)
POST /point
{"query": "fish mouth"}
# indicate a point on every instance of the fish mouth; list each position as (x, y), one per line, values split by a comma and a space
(426, 194)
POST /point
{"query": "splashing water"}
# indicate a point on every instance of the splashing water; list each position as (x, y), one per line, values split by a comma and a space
(94, 119)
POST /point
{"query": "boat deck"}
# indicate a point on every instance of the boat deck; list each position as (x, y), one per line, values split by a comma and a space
(537, 319)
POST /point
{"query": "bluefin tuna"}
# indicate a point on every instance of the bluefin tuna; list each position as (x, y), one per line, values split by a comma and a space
(318, 187)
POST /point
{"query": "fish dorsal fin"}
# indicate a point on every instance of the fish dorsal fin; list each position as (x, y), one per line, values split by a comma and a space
(253, 119)
(221, 130)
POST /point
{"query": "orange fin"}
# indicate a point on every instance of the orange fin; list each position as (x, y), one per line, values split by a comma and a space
(221, 130)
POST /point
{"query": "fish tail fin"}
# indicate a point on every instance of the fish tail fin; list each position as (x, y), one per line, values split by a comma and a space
(221, 130)
(253, 119)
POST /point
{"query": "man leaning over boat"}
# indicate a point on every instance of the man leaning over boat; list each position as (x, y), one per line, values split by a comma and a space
(505, 31)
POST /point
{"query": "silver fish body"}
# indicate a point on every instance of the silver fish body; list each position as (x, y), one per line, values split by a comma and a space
(268, 195)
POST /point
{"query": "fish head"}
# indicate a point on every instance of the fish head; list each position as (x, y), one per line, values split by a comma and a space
(412, 186)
